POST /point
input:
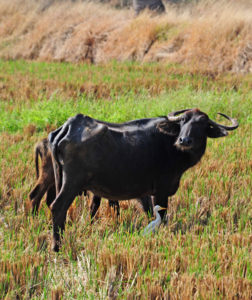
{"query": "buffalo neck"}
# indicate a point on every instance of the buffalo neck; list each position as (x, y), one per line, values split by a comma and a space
(189, 159)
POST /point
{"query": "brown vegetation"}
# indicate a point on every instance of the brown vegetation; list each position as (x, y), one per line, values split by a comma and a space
(210, 35)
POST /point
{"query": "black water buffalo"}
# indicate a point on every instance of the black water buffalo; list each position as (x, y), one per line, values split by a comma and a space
(130, 160)
(45, 183)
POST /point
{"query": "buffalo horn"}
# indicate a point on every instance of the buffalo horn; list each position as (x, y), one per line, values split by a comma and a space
(171, 116)
(234, 123)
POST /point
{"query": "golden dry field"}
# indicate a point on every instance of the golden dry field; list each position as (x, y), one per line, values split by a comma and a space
(207, 35)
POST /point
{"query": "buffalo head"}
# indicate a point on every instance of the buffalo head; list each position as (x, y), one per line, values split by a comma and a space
(191, 127)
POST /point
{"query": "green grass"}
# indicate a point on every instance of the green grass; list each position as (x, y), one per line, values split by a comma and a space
(203, 253)
(119, 108)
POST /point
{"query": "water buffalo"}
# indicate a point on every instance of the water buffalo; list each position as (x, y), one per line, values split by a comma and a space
(129, 160)
(46, 182)
(45, 178)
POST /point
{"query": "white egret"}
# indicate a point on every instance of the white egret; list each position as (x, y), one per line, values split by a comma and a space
(153, 226)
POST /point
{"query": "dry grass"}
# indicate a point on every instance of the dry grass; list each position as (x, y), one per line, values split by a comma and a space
(211, 35)
(72, 81)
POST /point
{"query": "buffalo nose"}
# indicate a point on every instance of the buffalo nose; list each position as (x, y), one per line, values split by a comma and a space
(185, 141)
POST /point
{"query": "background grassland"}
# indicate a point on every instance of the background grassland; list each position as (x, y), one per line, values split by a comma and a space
(205, 35)
(203, 253)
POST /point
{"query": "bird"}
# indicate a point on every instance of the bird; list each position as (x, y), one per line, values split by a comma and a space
(153, 226)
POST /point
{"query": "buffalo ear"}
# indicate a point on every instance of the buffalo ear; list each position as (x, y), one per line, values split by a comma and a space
(216, 131)
(169, 128)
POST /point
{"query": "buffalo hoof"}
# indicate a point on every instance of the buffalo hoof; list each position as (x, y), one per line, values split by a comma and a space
(55, 246)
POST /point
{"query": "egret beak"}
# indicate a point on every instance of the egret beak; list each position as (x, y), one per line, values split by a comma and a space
(161, 208)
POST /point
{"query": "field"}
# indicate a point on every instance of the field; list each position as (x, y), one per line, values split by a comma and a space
(203, 253)
(209, 35)
(59, 58)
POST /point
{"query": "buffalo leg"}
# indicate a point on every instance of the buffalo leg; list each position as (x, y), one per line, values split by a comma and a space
(36, 195)
(51, 194)
(96, 201)
(147, 204)
(59, 209)
(58, 229)
(115, 205)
